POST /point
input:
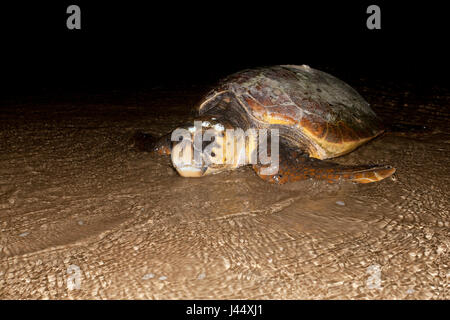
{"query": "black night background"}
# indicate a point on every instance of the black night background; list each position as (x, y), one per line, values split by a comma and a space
(125, 44)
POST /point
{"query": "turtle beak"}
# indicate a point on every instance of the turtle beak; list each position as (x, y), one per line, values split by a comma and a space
(190, 171)
(183, 162)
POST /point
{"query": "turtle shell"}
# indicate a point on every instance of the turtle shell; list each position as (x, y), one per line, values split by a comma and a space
(313, 109)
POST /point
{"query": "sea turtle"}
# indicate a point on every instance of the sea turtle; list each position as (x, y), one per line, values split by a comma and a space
(317, 117)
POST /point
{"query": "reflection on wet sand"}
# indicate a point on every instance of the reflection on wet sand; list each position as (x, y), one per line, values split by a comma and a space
(73, 193)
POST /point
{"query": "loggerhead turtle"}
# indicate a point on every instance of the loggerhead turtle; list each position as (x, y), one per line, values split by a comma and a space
(317, 117)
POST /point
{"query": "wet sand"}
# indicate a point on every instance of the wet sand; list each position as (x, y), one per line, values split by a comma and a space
(77, 199)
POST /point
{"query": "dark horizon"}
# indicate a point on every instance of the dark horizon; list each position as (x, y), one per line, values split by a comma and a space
(137, 46)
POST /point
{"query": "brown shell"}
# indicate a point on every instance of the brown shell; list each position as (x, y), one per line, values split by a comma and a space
(324, 113)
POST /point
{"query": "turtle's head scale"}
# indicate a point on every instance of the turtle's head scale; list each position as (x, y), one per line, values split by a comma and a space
(200, 148)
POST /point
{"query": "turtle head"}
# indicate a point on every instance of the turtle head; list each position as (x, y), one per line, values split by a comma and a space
(205, 148)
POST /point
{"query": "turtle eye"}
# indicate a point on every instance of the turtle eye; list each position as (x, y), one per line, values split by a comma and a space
(205, 144)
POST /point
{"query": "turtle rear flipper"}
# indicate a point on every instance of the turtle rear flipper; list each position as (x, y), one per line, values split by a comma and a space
(294, 166)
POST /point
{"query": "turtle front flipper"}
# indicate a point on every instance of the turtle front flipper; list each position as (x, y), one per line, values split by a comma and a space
(149, 143)
(295, 166)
